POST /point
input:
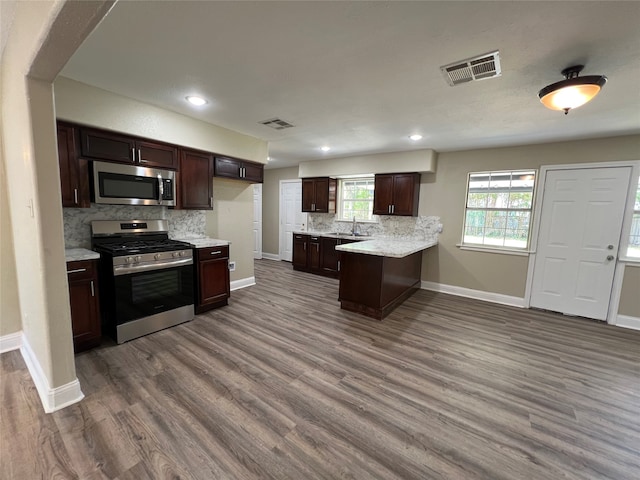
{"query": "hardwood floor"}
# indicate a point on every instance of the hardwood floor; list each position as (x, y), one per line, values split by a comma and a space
(282, 384)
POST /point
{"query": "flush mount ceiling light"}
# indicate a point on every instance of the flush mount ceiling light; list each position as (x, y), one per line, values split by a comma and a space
(194, 100)
(573, 91)
(325, 148)
(415, 137)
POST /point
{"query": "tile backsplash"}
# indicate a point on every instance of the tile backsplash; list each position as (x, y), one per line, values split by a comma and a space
(426, 228)
(77, 221)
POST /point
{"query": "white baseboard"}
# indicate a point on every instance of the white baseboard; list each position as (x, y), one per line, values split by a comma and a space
(627, 321)
(270, 256)
(52, 398)
(243, 282)
(476, 294)
(12, 341)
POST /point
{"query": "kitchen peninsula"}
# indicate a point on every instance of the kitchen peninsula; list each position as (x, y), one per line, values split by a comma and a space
(378, 275)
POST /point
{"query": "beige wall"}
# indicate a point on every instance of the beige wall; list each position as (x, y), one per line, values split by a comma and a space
(443, 194)
(271, 207)
(81, 103)
(391, 162)
(10, 321)
(232, 219)
(233, 201)
(30, 163)
(630, 297)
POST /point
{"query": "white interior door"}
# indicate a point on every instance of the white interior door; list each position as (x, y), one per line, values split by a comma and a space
(578, 239)
(291, 216)
(257, 220)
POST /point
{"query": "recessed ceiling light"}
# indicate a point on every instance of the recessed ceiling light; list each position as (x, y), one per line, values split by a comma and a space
(415, 137)
(325, 148)
(194, 100)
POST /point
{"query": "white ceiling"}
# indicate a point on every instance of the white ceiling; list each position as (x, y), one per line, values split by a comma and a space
(361, 76)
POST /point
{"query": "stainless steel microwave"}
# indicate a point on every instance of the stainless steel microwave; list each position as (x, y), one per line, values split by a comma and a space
(120, 184)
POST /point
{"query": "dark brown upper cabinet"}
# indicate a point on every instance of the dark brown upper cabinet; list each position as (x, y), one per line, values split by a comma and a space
(319, 195)
(115, 147)
(74, 172)
(228, 167)
(396, 194)
(195, 182)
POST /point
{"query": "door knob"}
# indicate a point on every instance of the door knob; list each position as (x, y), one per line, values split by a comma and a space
(610, 257)
(610, 247)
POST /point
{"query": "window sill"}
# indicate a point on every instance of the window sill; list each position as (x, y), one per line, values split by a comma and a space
(630, 261)
(504, 251)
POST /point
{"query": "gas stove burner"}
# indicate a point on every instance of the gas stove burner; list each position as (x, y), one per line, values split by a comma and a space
(120, 238)
(140, 246)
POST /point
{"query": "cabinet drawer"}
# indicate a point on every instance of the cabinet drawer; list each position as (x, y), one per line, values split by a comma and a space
(213, 252)
(81, 269)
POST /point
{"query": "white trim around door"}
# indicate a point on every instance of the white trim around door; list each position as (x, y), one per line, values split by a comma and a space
(291, 216)
(612, 316)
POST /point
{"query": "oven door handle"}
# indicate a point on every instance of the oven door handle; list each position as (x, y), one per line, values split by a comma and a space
(127, 269)
(160, 189)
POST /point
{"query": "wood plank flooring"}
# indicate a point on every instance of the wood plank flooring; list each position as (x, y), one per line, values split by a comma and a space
(282, 384)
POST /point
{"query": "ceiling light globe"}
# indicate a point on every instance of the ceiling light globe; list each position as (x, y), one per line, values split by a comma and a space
(325, 149)
(415, 137)
(570, 97)
(572, 92)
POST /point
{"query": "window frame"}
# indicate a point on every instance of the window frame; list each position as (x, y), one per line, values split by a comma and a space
(507, 249)
(633, 259)
(341, 199)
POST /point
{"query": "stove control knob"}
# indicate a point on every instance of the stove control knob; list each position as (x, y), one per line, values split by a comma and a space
(138, 258)
(128, 260)
(157, 256)
(174, 254)
(181, 254)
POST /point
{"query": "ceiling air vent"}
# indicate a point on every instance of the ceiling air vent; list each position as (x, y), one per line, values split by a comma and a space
(277, 123)
(472, 69)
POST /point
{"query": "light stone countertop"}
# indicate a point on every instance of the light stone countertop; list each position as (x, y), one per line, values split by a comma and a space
(203, 242)
(75, 254)
(387, 247)
(334, 235)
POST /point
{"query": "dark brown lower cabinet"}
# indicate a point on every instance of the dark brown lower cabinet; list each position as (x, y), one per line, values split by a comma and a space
(85, 305)
(317, 254)
(329, 256)
(212, 271)
(314, 254)
(300, 247)
(373, 285)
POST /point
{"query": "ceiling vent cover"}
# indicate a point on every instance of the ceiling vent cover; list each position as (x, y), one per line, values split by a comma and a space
(277, 123)
(472, 69)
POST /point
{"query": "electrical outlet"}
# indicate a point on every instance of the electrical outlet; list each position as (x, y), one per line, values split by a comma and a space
(232, 266)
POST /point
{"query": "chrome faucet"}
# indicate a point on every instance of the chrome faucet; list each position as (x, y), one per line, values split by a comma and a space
(354, 229)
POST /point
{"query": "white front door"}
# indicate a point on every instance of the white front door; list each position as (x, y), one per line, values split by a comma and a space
(291, 216)
(578, 240)
(257, 220)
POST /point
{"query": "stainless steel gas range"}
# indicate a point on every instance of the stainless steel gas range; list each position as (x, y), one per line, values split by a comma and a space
(146, 279)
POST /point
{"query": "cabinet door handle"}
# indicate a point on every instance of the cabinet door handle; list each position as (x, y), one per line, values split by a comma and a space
(75, 196)
(77, 270)
(133, 154)
(93, 292)
(211, 202)
(140, 157)
(305, 246)
(216, 252)
(389, 209)
(393, 209)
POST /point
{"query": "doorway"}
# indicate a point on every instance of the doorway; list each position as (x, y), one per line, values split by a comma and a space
(578, 239)
(291, 216)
